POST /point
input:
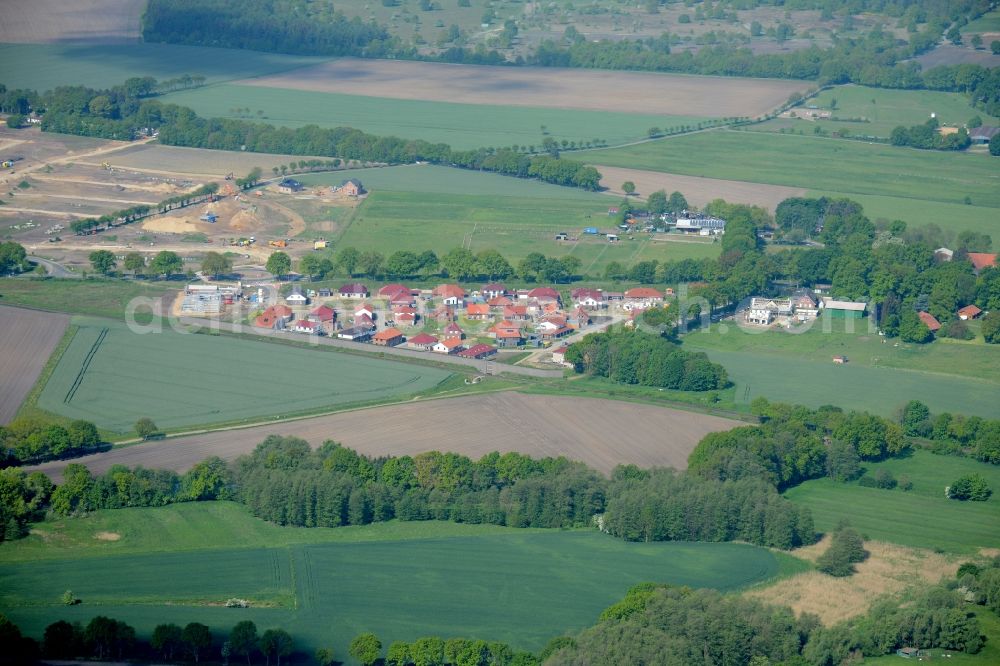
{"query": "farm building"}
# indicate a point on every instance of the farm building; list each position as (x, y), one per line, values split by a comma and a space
(422, 342)
(355, 333)
(478, 352)
(493, 290)
(844, 309)
(982, 134)
(388, 337)
(930, 321)
(909, 653)
(969, 312)
(981, 260)
(450, 294)
(290, 186)
(703, 225)
(448, 346)
(354, 290)
(352, 187)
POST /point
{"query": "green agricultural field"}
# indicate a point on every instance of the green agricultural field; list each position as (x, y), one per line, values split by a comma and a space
(99, 298)
(112, 376)
(882, 109)
(462, 126)
(518, 586)
(922, 517)
(436, 208)
(846, 167)
(988, 22)
(45, 66)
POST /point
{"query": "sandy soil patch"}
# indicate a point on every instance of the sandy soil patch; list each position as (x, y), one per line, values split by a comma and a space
(602, 433)
(171, 225)
(108, 536)
(104, 21)
(698, 191)
(889, 569)
(28, 339)
(597, 90)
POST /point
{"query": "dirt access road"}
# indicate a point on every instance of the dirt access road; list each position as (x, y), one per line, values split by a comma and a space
(601, 433)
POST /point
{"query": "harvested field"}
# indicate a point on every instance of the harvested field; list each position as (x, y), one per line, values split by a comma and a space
(889, 569)
(662, 94)
(586, 429)
(154, 158)
(949, 54)
(99, 21)
(25, 346)
(698, 191)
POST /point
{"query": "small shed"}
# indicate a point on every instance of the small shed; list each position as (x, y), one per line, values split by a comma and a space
(909, 653)
(840, 360)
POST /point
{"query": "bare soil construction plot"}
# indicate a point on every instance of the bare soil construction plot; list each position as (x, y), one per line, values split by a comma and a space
(104, 21)
(698, 191)
(201, 162)
(27, 340)
(601, 433)
(598, 90)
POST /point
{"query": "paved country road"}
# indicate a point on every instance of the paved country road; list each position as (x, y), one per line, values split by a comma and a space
(54, 269)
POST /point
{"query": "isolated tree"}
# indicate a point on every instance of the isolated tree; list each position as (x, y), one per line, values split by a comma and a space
(846, 549)
(243, 639)
(366, 648)
(347, 260)
(977, 41)
(196, 638)
(166, 639)
(276, 642)
(145, 427)
(134, 262)
(324, 656)
(216, 264)
(970, 487)
(628, 187)
(166, 263)
(103, 261)
(279, 264)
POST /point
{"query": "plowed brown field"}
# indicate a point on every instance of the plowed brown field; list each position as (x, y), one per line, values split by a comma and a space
(27, 338)
(601, 433)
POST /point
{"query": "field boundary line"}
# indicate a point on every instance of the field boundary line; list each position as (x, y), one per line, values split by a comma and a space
(86, 364)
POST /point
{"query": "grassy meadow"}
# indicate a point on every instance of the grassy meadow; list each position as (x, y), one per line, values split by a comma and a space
(922, 517)
(99, 298)
(882, 110)
(327, 585)
(462, 126)
(45, 66)
(112, 376)
(436, 208)
(907, 176)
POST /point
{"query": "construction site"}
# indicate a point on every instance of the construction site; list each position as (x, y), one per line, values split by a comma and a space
(50, 181)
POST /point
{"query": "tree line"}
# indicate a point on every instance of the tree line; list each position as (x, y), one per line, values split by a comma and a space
(631, 356)
(953, 434)
(28, 440)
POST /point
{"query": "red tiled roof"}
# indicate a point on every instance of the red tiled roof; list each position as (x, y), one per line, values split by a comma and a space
(476, 350)
(362, 319)
(388, 334)
(324, 313)
(929, 321)
(508, 333)
(494, 286)
(393, 289)
(543, 292)
(451, 343)
(404, 309)
(405, 316)
(498, 301)
(280, 310)
(582, 293)
(448, 291)
(981, 260)
(477, 309)
(423, 339)
(643, 292)
(969, 311)
(354, 288)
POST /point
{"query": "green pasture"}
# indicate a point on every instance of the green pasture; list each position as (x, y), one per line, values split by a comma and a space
(988, 22)
(100, 298)
(45, 66)
(112, 376)
(390, 221)
(880, 390)
(851, 168)
(462, 126)
(922, 517)
(826, 338)
(881, 110)
(518, 586)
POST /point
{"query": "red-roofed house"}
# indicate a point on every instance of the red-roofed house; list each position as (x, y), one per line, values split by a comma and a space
(478, 351)
(324, 314)
(477, 311)
(453, 330)
(591, 298)
(422, 342)
(644, 297)
(388, 337)
(969, 312)
(981, 260)
(405, 319)
(365, 309)
(363, 320)
(553, 333)
(507, 337)
(559, 355)
(544, 294)
(499, 302)
(493, 290)
(929, 321)
(402, 298)
(516, 312)
(391, 289)
(442, 313)
(448, 346)
(580, 317)
(353, 290)
(450, 294)
(274, 317)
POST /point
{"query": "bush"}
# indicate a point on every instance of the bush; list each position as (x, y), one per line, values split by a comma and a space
(846, 548)
(970, 487)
